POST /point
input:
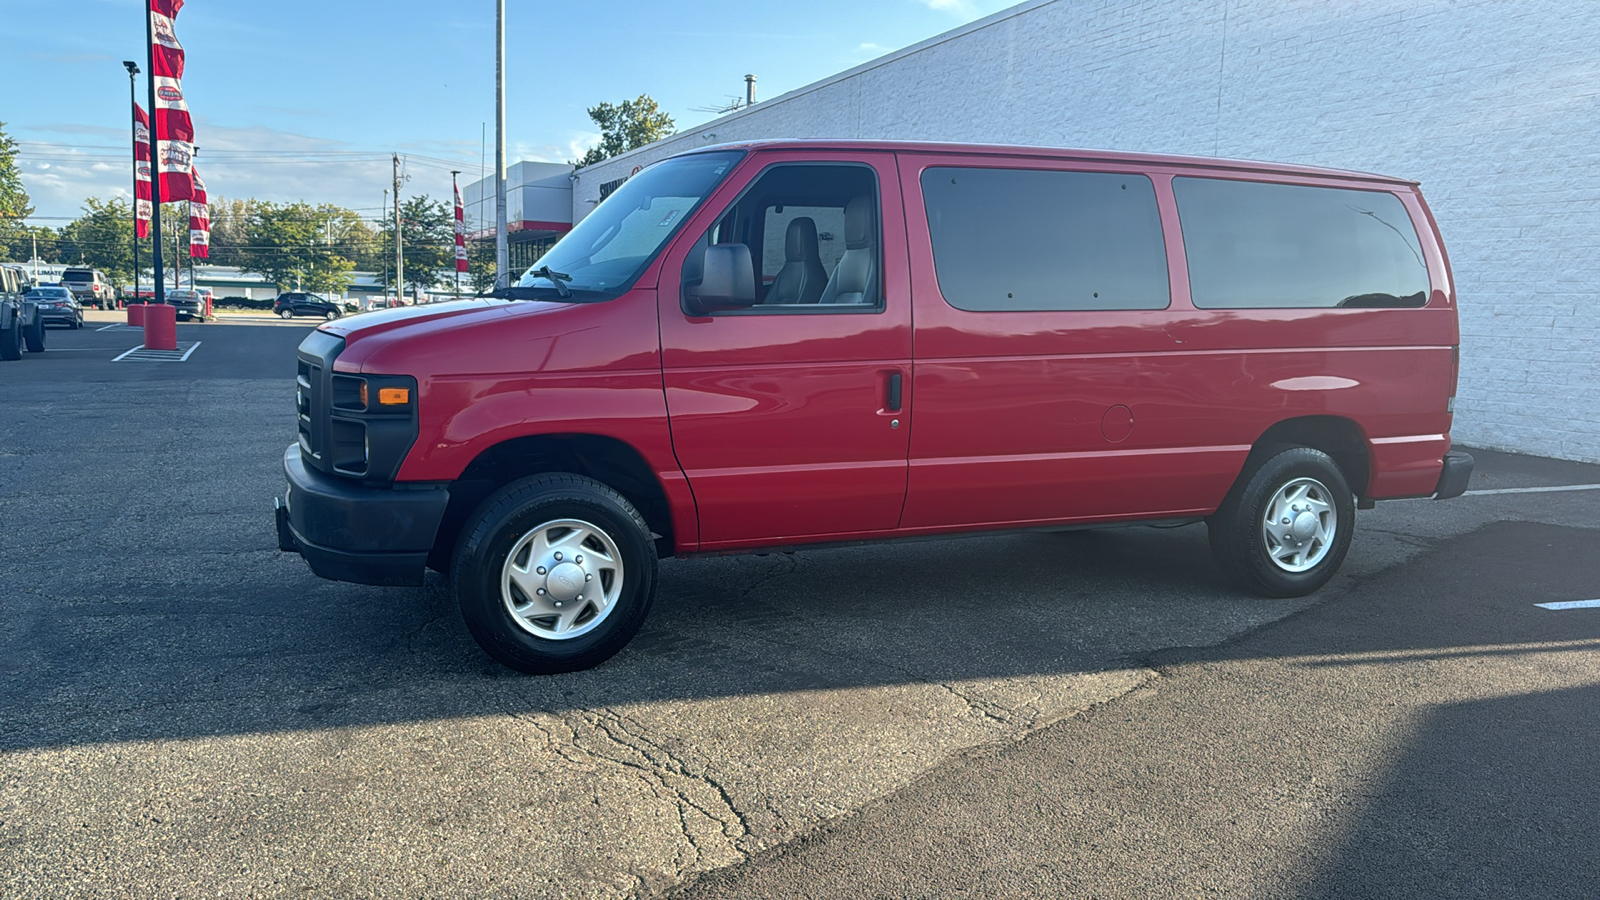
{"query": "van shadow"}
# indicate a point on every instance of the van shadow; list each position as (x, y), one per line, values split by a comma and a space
(241, 640)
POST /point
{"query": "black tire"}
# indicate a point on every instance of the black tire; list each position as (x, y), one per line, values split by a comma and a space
(330, 315)
(33, 336)
(11, 343)
(501, 525)
(1267, 565)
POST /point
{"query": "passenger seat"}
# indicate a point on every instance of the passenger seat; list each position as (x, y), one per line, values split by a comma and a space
(854, 279)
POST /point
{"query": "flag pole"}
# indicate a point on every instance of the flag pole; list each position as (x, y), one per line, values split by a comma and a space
(155, 158)
(455, 190)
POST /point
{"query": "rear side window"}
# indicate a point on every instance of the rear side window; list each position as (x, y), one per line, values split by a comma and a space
(1031, 239)
(1253, 245)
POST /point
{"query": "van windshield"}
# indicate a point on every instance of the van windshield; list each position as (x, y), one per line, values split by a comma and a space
(602, 255)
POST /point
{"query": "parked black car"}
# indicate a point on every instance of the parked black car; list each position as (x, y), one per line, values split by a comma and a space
(57, 306)
(297, 303)
(189, 304)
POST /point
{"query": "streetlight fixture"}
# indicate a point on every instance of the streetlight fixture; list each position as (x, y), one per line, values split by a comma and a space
(133, 102)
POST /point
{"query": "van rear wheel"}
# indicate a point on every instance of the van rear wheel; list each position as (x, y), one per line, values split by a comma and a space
(554, 573)
(1285, 529)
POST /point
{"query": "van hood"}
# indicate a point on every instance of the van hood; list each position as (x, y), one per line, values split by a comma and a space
(378, 321)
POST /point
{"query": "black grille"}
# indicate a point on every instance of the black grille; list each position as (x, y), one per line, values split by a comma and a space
(313, 394)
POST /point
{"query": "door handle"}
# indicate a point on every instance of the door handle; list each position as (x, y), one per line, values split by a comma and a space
(893, 404)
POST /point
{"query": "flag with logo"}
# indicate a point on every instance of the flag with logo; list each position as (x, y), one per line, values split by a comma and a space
(461, 233)
(141, 171)
(199, 221)
(174, 128)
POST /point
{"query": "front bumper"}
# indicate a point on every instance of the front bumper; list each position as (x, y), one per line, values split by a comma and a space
(1454, 476)
(349, 531)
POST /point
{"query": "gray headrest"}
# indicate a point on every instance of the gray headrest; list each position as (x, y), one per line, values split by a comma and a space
(800, 243)
(858, 227)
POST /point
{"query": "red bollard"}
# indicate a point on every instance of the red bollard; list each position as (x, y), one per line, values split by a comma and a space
(136, 314)
(161, 327)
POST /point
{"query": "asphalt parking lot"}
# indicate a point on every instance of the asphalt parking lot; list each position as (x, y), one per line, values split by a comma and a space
(187, 712)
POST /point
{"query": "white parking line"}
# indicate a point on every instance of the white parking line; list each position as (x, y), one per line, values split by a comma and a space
(1571, 604)
(1557, 488)
(140, 354)
(114, 325)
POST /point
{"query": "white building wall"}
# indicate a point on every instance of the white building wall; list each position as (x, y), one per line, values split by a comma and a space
(1494, 106)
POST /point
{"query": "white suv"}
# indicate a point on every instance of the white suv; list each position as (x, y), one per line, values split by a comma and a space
(90, 287)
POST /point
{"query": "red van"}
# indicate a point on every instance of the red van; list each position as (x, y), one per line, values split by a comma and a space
(790, 343)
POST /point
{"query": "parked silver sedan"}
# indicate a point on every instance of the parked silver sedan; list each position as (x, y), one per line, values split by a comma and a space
(57, 306)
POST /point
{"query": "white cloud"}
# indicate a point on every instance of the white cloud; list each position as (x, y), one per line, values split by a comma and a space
(957, 7)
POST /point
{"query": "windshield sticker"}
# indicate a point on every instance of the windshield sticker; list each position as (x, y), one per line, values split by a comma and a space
(671, 214)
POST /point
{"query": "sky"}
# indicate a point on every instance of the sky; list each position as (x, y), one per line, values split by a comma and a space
(307, 99)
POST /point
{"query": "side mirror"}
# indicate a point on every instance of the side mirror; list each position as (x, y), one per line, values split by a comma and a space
(727, 282)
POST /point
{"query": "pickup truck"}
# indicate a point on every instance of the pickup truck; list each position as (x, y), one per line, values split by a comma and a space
(20, 324)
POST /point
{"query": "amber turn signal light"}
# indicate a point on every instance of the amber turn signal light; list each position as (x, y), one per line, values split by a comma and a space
(363, 394)
(390, 396)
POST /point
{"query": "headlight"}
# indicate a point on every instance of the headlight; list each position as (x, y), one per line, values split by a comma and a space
(373, 422)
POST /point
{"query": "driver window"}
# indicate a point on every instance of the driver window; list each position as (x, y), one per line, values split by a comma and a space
(813, 237)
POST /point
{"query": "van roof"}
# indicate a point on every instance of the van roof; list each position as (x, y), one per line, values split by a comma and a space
(1211, 163)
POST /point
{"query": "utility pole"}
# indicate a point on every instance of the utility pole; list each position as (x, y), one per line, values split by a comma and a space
(502, 251)
(385, 208)
(399, 253)
(133, 101)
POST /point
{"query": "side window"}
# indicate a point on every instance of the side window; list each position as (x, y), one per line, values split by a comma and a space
(1254, 245)
(813, 235)
(1007, 240)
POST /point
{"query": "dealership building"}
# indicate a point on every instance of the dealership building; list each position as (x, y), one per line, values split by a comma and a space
(1494, 107)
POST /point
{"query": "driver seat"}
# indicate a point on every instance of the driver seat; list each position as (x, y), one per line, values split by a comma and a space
(803, 276)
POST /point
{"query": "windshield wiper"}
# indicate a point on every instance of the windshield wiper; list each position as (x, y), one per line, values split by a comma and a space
(555, 278)
(528, 292)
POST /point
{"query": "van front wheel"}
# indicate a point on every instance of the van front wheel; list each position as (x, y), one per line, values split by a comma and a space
(554, 573)
(1286, 529)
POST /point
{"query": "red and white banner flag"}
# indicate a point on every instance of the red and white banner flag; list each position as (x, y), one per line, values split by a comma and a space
(141, 172)
(199, 221)
(168, 53)
(461, 233)
(174, 128)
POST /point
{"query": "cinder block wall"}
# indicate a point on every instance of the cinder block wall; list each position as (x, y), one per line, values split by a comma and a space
(1493, 106)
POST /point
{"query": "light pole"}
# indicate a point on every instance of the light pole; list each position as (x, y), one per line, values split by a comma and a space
(133, 101)
(502, 254)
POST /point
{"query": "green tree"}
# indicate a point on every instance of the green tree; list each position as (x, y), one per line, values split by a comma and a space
(102, 238)
(230, 230)
(624, 126)
(430, 241)
(481, 264)
(291, 245)
(15, 206)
